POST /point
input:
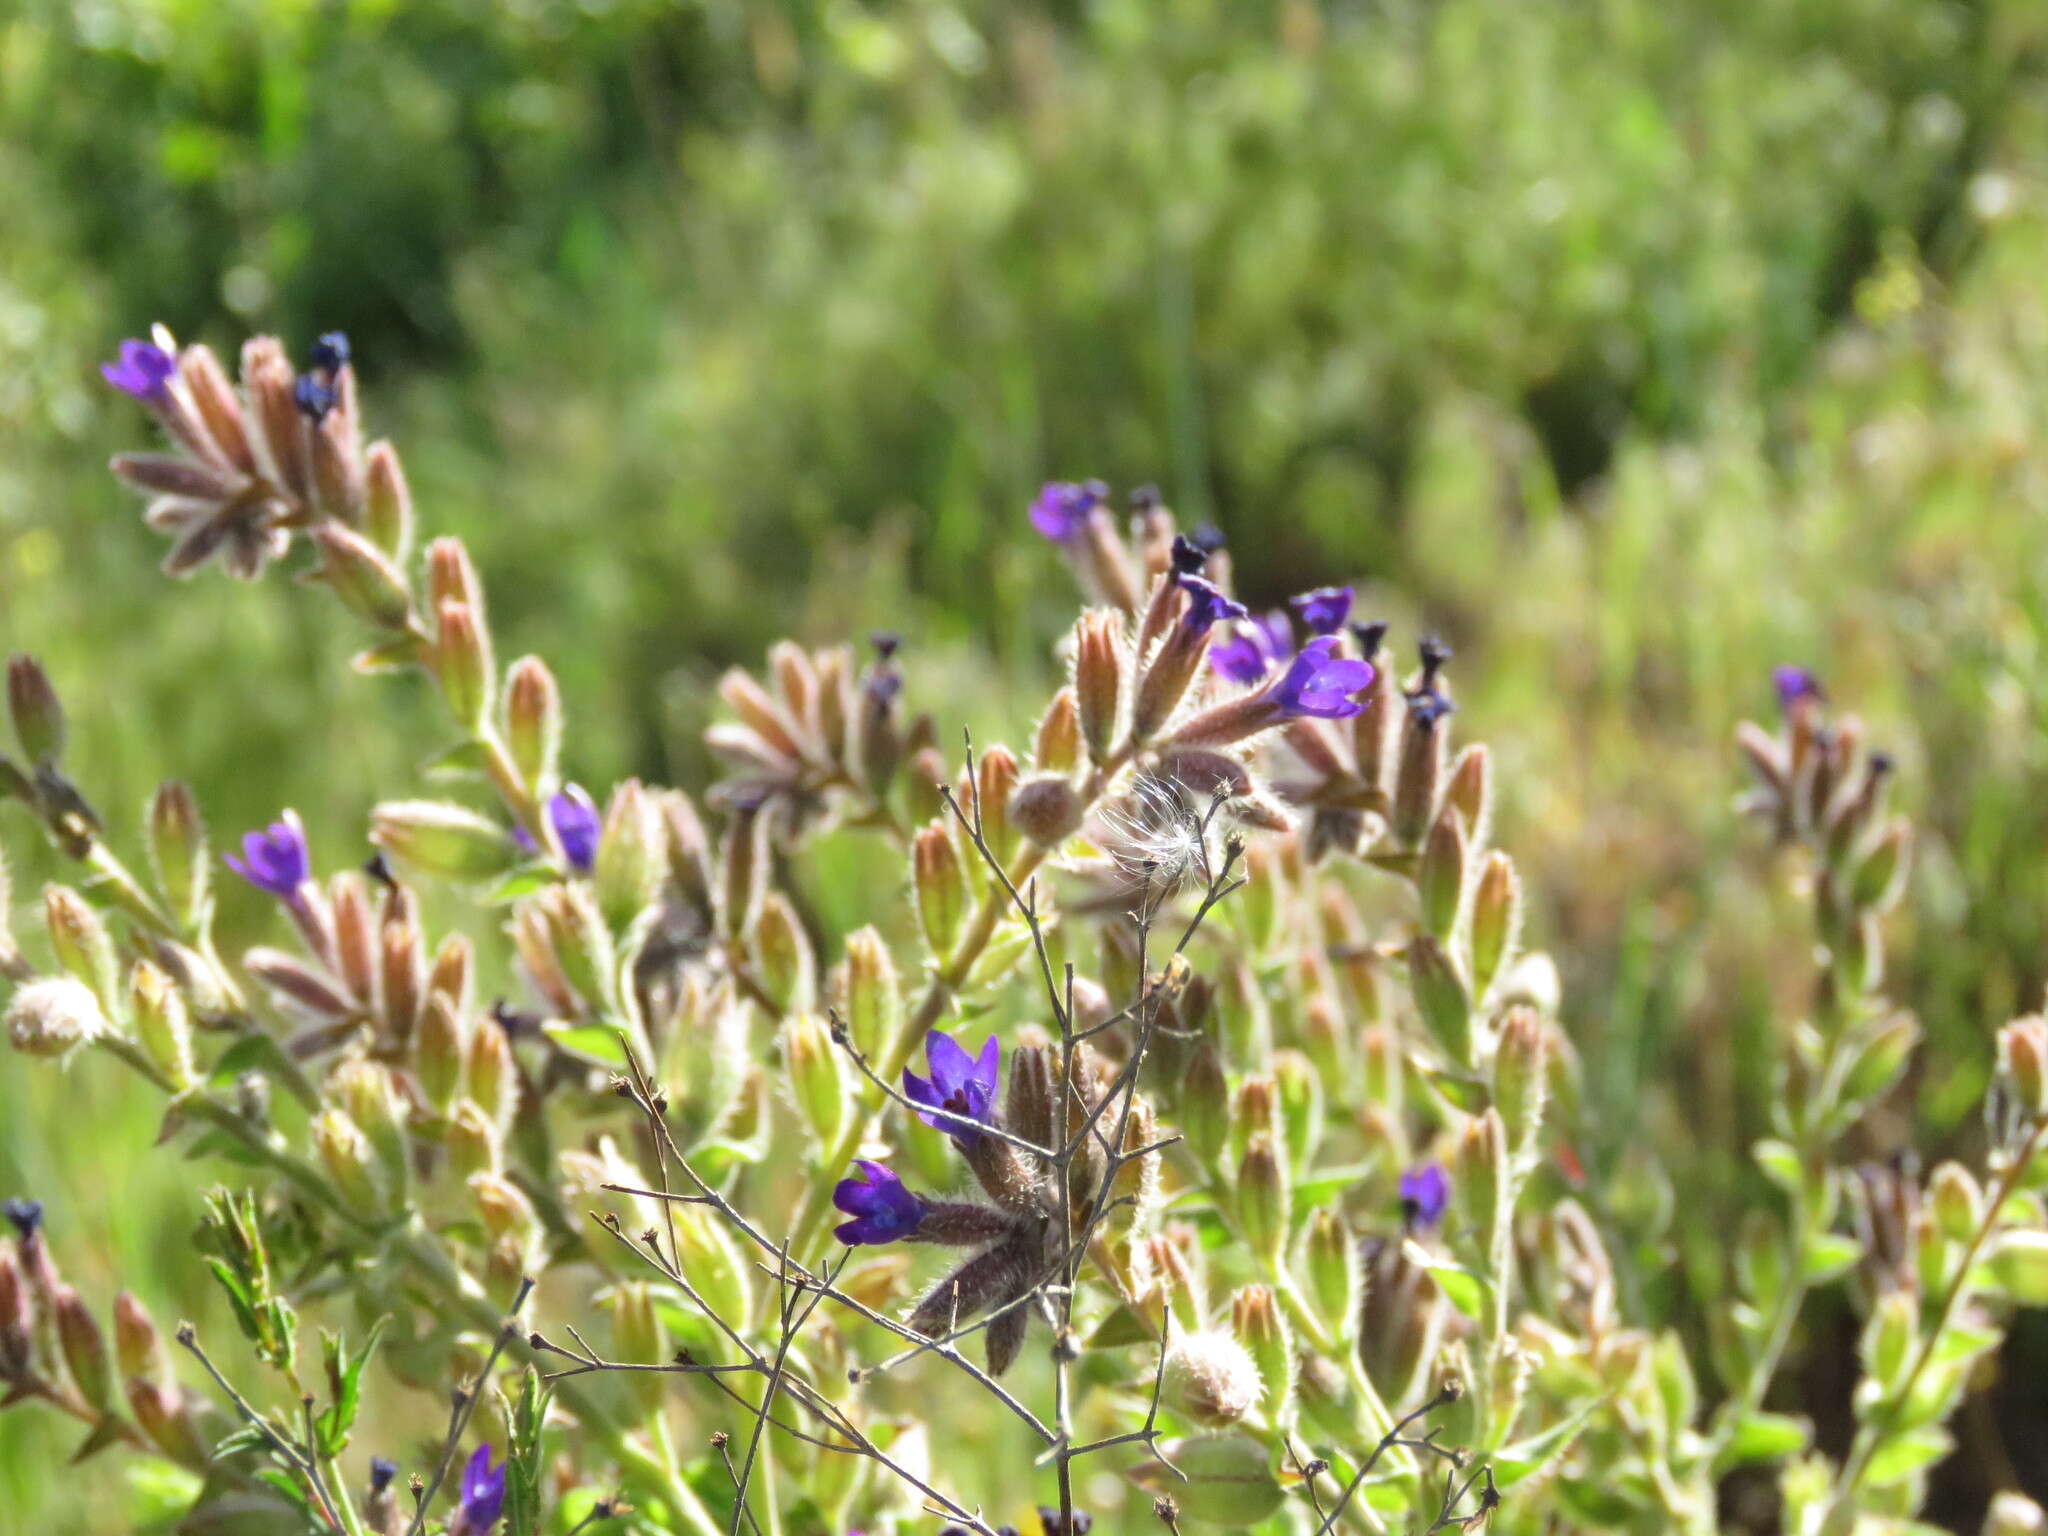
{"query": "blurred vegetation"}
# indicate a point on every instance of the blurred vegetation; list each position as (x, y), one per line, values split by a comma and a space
(1634, 345)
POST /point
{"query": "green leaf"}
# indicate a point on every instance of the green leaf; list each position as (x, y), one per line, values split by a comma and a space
(246, 1438)
(597, 1043)
(239, 1298)
(1121, 1327)
(256, 1051)
(1527, 1457)
(1903, 1456)
(1471, 1294)
(1468, 1094)
(463, 760)
(1780, 1164)
(522, 881)
(1828, 1255)
(2019, 1266)
(1765, 1437)
(345, 1378)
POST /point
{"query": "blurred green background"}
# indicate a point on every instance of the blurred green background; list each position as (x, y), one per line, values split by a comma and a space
(1634, 345)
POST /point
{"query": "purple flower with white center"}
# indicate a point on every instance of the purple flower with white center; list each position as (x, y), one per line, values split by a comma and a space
(1321, 684)
(275, 859)
(1425, 1192)
(1794, 684)
(143, 370)
(1323, 611)
(962, 1086)
(881, 1208)
(574, 816)
(1063, 507)
(1253, 647)
(1207, 605)
(482, 1494)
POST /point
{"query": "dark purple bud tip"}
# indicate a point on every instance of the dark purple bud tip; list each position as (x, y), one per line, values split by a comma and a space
(960, 1090)
(382, 1470)
(1188, 556)
(1369, 637)
(886, 643)
(881, 1208)
(1434, 654)
(1056, 1525)
(1794, 684)
(25, 1216)
(275, 859)
(314, 398)
(1063, 507)
(330, 353)
(1323, 611)
(142, 370)
(1144, 498)
(1207, 537)
(1425, 1191)
(1882, 763)
(1427, 708)
(1207, 604)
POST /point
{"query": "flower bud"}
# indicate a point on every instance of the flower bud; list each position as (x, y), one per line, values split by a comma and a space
(403, 970)
(177, 850)
(362, 576)
(1881, 875)
(995, 782)
(743, 873)
(1422, 767)
(1257, 905)
(871, 997)
(82, 944)
(1262, 1199)
(1521, 1072)
(53, 1017)
(533, 721)
(816, 1078)
(1440, 875)
(711, 1264)
(442, 839)
(1255, 1111)
(689, 850)
(1496, 919)
(1300, 1105)
(214, 400)
(784, 963)
(1224, 1481)
(463, 663)
(387, 502)
(437, 1053)
(451, 575)
(1098, 680)
(638, 1338)
(138, 1347)
(1175, 1287)
(1470, 791)
(84, 1348)
(1335, 1285)
(1441, 998)
(1057, 746)
(472, 1141)
(1956, 1201)
(2023, 1057)
(162, 1024)
(1210, 1379)
(1888, 1340)
(17, 1320)
(631, 856)
(1261, 1328)
(504, 1209)
(1479, 1169)
(1136, 1185)
(345, 1153)
(36, 711)
(493, 1074)
(927, 772)
(941, 886)
(451, 971)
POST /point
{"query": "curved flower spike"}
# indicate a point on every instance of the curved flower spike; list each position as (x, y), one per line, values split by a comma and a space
(881, 1208)
(961, 1087)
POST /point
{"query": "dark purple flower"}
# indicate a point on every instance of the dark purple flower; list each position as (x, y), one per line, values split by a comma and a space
(1254, 645)
(1794, 684)
(1369, 637)
(483, 1494)
(275, 859)
(1427, 706)
(881, 1208)
(25, 1216)
(1425, 1191)
(1206, 603)
(960, 1085)
(1320, 684)
(1063, 506)
(382, 1470)
(330, 353)
(1051, 1523)
(143, 370)
(574, 816)
(1434, 654)
(313, 397)
(1323, 611)
(1188, 557)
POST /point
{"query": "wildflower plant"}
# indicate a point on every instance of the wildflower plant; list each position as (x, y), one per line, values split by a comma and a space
(1201, 1034)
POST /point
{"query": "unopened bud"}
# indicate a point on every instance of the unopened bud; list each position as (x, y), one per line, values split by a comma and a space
(872, 997)
(177, 850)
(1255, 1111)
(1334, 1281)
(80, 940)
(1300, 1105)
(472, 1140)
(162, 1024)
(1496, 919)
(1441, 998)
(1470, 791)
(362, 576)
(638, 1337)
(1047, 809)
(1888, 1339)
(504, 1208)
(533, 721)
(1422, 767)
(631, 856)
(1263, 1199)
(816, 1077)
(784, 963)
(38, 715)
(345, 1153)
(690, 862)
(450, 975)
(463, 663)
(441, 839)
(941, 886)
(138, 1347)
(2014, 1514)
(493, 1074)
(1256, 1319)
(53, 1017)
(1205, 1104)
(1956, 1201)
(1881, 875)
(437, 1053)
(1440, 875)
(84, 1348)
(2023, 1056)
(451, 575)
(387, 501)
(1210, 1378)
(995, 782)
(1057, 745)
(1098, 680)
(743, 873)
(1479, 1169)
(1521, 1069)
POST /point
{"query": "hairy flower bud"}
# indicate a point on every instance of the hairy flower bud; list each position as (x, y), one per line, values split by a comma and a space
(362, 576)
(2023, 1057)
(493, 1074)
(473, 1143)
(1470, 791)
(1210, 1378)
(80, 940)
(463, 664)
(817, 1078)
(630, 855)
(1260, 1326)
(177, 850)
(638, 1338)
(53, 1017)
(1335, 1285)
(743, 873)
(1440, 875)
(996, 776)
(1956, 1201)
(1056, 747)
(1422, 766)
(162, 1024)
(84, 1348)
(784, 963)
(442, 839)
(871, 997)
(37, 713)
(1299, 1105)
(138, 1347)
(1521, 1073)
(1205, 1104)
(1263, 1198)
(346, 1154)
(533, 722)
(941, 885)
(387, 502)
(1496, 919)
(1441, 998)
(1479, 1169)
(1098, 680)
(1047, 809)
(438, 1053)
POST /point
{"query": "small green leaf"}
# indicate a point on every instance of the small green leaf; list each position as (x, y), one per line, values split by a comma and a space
(1780, 1164)
(1121, 1327)
(1463, 1092)
(1468, 1292)
(1828, 1255)
(463, 760)
(1905, 1455)
(2019, 1266)
(522, 881)
(597, 1043)
(1765, 1437)
(1527, 1457)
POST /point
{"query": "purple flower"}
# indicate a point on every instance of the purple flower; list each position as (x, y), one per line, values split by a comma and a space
(1425, 1191)
(574, 816)
(143, 370)
(313, 398)
(275, 859)
(382, 1470)
(1206, 603)
(25, 1216)
(330, 353)
(1063, 506)
(483, 1494)
(1254, 645)
(1320, 684)
(1794, 684)
(1323, 611)
(961, 1086)
(881, 1208)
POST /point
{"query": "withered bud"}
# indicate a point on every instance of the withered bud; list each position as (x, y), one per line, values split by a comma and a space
(213, 399)
(138, 1347)
(279, 433)
(53, 1017)
(1057, 746)
(1098, 680)
(1210, 1378)
(1047, 809)
(1423, 733)
(1028, 1109)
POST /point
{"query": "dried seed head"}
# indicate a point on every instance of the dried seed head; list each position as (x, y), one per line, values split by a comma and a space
(1047, 809)
(1210, 1378)
(54, 1017)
